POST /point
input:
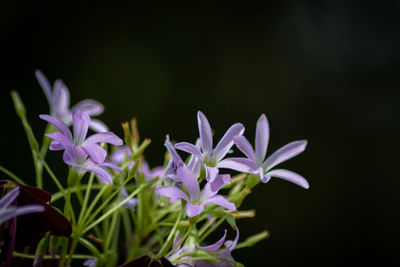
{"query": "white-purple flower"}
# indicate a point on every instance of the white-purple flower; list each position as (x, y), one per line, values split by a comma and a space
(58, 99)
(8, 211)
(84, 154)
(257, 156)
(213, 157)
(196, 200)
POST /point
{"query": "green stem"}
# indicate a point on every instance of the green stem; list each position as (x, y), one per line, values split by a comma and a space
(55, 180)
(180, 241)
(12, 175)
(50, 257)
(85, 201)
(171, 235)
(91, 247)
(60, 195)
(119, 205)
(215, 226)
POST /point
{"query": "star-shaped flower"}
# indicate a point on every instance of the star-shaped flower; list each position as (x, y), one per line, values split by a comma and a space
(195, 200)
(265, 166)
(58, 99)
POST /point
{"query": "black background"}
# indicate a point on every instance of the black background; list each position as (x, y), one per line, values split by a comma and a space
(325, 72)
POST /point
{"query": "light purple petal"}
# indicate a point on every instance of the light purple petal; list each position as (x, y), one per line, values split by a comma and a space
(216, 245)
(226, 142)
(22, 210)
(102, 174)
(56, 146)
(96, 153)
(193, 210)
(98, 126)
(211, 173)
(119, 155)
(9, 198)
(111, 165)
(262, 138)
(239, 164)
(9, 213)
(189, 148)
(61, 140)
(195, 164)
(171, 149)
(189, 180)
(172, 192)
(284, 153)
(289, 176)
(220, 201)
(91, 107)
(108, 137)
(205, 133)
(265, 178)
(207, 193)
(220, 181)
(81, 125)
(231, 245)
(243, 144)
(131, 204)
(60, 100)
(58, 124)
(44, 83)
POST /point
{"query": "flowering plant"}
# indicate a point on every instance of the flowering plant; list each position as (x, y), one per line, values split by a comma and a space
(132, 215)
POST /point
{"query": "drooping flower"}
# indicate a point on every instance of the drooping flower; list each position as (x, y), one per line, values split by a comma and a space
(195, 200)
(84, 154)
(284, 153)
(8, 211)
(214, 157)
(58, 99)
(225, 253)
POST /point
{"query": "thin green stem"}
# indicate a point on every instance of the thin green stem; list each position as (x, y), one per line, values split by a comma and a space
(180, 241)
(215, 226)
(86, 199)
(90, 247)
(50, 257)
(171, 235)
(94, 202)
(55, 180)
(119, 205)
(12, 175)
(60, 195)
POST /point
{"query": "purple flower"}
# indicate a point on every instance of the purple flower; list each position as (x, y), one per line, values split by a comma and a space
(131, 204)
(195, 200)
(8, 212)
(230, 245)
(84, 154)
(59, 103)
(284, 153)
(213, 157)
(170, 172)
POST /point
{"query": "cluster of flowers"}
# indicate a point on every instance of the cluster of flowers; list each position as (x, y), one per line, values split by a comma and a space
(184, 200)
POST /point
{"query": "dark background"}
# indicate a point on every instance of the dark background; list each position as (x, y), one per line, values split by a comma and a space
(325, 72)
